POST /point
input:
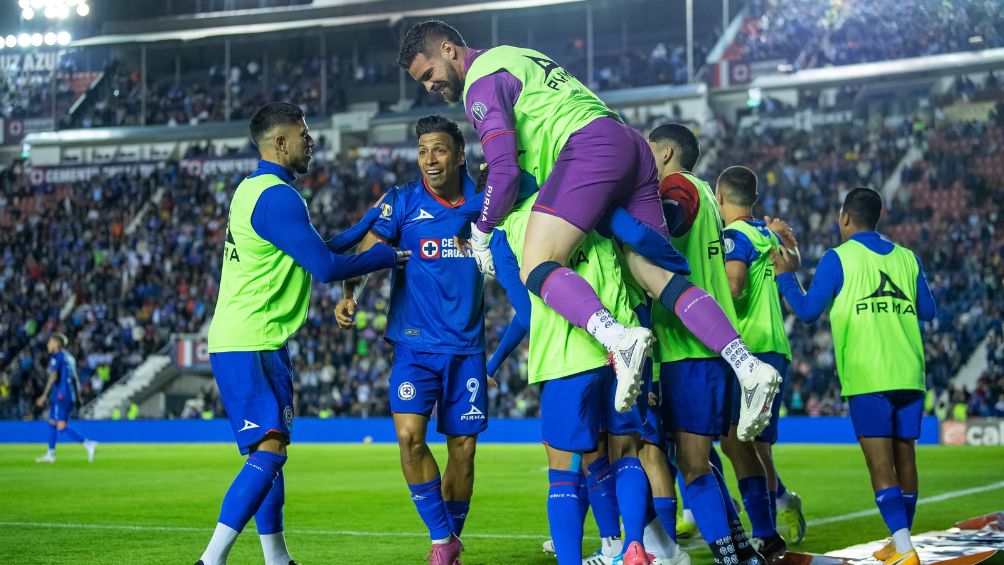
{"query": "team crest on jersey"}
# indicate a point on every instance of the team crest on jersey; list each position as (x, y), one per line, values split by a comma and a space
(406, 391)
(385, 211)
(429, 248)
(287, 415)
(730, 245)
(478, 110)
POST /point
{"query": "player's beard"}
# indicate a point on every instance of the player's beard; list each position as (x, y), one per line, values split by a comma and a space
(451, 93)
(300, 166)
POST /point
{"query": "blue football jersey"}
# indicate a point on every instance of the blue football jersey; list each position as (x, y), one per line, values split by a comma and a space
(437, 299)
(65, 367)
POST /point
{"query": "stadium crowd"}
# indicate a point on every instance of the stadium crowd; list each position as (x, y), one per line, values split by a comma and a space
(153, 263)
(862, 31)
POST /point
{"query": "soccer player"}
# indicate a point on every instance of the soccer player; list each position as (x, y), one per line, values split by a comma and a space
(877, 295)
(628, 430)
(748, 242)
(270, 254)
(577, 393)
(436, 324)
(532, 115)
(63, 394)
(694, 381)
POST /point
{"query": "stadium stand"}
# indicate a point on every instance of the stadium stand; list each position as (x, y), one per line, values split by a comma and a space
(806, 33)
(156, 264)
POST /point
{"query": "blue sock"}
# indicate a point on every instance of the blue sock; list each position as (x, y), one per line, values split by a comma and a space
(428, 499)
(682, 489)
(781, 491)
(53, 432)
(715, 459)
(456, 514)
(910, 501)
(708, 507)
(665, 509)
(632, 497)
(73, 435)
(893, 509)
(563, 515)
(757, 503)
(268, 518)
(583, 497)
(603, 498)
(730, 508)
(250, 488)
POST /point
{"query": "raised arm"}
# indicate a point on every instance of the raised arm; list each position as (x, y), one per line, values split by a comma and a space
(281, 218)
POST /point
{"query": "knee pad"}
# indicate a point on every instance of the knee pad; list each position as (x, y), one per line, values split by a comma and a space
(535, 280)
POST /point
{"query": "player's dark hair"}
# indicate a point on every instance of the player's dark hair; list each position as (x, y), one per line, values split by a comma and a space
(271, 115)
(864, 206)
(482, 181)
(61, 338)
(437, 123)
(739, 185)
(684, 140)
(420, 37)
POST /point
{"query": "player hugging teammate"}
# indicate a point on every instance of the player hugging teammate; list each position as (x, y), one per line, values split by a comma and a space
(536, 120)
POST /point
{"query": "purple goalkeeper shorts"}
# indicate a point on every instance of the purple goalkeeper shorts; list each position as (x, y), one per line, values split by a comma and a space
(604, 164)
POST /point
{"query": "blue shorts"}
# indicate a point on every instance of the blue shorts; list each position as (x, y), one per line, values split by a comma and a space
(256, 388)
(892, 413)
(694, 396)
(59, 410)
(780, 364)
(455, 385)
(574, 411)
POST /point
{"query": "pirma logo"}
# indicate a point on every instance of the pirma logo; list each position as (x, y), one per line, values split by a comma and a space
(406, 391)
(478, 110)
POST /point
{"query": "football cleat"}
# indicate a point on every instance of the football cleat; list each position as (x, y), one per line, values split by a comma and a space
(759, 382)
(792, 520)
(907, 558)
(445, 553)
(628, 358)
(885, 552)
(773, 548)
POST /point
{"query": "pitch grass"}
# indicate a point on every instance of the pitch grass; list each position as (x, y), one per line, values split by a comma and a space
(152, 504)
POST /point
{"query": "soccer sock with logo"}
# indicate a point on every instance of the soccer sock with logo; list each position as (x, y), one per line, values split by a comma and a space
(744, 549)
(245, 496)
(456, 514)
(910, 501)
(568, 294)
(757, 503)
(665, 510)
(632, 497)
(699, 312)
(893, 509)
(603, 498)
(428, 499)
(563, 515)
(73, 435)
(53, 434)
(709, 510)
(268, 520)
